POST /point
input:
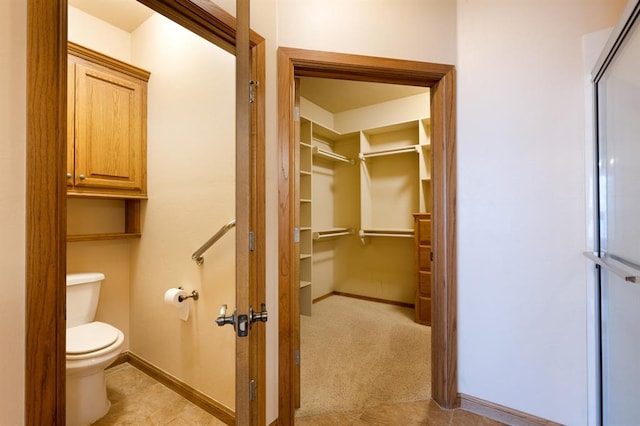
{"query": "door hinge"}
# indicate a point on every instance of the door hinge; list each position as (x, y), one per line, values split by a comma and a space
(252, 390)
(432, 256)
(252, 90)
(296, 357)
(252, 241)
(296, 235)
(296, 113)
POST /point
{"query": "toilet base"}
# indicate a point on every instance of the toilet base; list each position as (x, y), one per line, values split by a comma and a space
(86, 398)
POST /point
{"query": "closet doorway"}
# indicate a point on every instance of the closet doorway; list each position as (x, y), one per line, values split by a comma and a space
(440, 79)
(365, 160)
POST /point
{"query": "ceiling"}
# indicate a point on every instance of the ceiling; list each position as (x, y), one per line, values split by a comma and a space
(124, 14)
(342, 95)
(333, 95)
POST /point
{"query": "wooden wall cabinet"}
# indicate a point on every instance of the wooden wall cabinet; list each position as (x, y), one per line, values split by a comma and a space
(423, 267)
(107, 115)
(106, 134)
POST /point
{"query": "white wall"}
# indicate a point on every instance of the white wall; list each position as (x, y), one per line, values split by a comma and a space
(13, 65)
(521, 203)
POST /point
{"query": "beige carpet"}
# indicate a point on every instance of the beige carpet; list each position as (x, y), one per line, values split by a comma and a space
(357, 354)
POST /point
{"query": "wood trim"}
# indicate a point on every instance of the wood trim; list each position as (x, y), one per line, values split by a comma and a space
(286, 248)
(211, 406)
(367, 298)
(258, 213)
(444, 337)
(501, 413)
(45, 363)
(45, 353)
(205, 19)
(441, 78)
(97, 58)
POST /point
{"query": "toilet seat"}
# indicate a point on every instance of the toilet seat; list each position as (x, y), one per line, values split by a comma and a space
(90, 338)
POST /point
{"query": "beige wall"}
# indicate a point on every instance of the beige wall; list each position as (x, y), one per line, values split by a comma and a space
(12, 211)
(191, 183)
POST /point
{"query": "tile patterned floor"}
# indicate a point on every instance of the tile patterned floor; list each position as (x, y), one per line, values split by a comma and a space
(422, 413)
(137, 399)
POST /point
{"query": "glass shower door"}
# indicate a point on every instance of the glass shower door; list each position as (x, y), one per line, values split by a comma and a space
(618, 120)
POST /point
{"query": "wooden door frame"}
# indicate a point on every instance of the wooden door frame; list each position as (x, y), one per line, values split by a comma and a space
(441, 79)
(45, 271)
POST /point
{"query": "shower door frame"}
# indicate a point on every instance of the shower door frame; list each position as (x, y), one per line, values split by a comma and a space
(45, 269)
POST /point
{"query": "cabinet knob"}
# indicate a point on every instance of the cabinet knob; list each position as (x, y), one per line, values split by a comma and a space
(82, 177)
(69, 175)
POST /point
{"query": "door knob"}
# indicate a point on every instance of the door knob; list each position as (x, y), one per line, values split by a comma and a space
(262, 316)
(223, 319)
(82, 177)
(69, 175)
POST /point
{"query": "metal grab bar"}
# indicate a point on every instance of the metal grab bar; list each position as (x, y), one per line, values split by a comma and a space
(197, 255)
(616, 265)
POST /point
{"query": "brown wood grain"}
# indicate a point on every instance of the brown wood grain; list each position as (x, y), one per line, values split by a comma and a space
(45, 362)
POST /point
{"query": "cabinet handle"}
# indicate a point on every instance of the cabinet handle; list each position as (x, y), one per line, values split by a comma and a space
(69, 175)
(82, 177)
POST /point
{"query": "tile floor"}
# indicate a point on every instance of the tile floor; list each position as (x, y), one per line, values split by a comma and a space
(422, 413)
(137, 399)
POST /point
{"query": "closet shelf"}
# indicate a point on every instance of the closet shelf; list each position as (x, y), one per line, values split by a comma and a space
(304, 284)
(305, 256)
(332, 233)
(328, 155)
(305, 144)
(404, 150)
(305, 173)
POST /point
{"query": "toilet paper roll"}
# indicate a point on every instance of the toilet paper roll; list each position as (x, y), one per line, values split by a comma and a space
(172, 297)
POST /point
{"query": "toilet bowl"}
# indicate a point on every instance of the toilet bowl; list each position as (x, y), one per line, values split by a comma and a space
(91, 347)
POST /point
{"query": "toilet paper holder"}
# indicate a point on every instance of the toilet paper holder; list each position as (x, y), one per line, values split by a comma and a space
(194, 295)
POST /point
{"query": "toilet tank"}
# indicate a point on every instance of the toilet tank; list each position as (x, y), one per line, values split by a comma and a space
(83, 292)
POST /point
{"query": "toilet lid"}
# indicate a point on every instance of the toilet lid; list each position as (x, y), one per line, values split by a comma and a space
(90, 337)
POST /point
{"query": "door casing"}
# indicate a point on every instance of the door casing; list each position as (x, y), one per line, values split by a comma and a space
(45, 361)
(440, 78)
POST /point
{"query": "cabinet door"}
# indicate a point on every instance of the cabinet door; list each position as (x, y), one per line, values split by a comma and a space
(109, 129)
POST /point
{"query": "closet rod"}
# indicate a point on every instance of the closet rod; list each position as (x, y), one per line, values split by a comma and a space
(332, 233)
(331, 155)
(408, 149)
(405, 233)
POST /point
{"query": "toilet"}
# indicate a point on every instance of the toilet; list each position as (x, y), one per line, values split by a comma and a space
(91, 347)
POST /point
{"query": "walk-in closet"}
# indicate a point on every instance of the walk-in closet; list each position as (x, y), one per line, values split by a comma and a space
(364, 198)
(364, 181)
